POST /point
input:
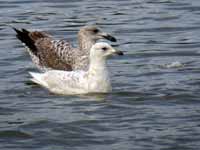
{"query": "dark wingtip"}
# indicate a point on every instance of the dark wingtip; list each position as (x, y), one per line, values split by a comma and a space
(25, 31)
(16, 30)
(20, 31)
(23, 36)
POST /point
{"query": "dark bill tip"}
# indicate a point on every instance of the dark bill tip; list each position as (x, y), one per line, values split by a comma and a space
(110, 38)
(119, 53)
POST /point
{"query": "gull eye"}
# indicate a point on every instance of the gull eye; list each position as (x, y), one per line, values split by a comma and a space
(95, 30)
(104, 48)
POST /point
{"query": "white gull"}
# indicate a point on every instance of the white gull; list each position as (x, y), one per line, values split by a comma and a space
(94, 80)
(47, 53)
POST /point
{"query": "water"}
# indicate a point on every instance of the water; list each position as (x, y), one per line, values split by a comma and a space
(155, 103)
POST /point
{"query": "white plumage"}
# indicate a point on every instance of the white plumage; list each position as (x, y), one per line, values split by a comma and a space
(95, 80)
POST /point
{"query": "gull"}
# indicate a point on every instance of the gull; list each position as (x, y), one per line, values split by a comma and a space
(94, 80)
(47, 53)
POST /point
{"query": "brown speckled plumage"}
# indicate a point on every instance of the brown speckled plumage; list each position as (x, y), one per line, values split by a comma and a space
(48, 53)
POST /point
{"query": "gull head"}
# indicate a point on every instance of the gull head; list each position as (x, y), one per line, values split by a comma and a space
(103, 50)
(95, 34)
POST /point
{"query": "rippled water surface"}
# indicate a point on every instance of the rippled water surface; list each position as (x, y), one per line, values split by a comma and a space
(155, 103)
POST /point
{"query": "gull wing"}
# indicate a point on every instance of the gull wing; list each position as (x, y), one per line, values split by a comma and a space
(46, 52)
(62, 82)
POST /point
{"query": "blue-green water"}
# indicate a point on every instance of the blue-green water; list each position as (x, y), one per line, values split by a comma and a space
(155, 103)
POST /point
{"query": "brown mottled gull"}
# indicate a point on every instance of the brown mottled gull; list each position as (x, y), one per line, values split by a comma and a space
(48, 54)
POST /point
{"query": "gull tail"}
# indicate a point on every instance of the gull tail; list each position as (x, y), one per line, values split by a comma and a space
(37, 78)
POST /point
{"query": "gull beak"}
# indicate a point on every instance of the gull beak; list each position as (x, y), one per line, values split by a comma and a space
(119, 52)
(108, 37)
